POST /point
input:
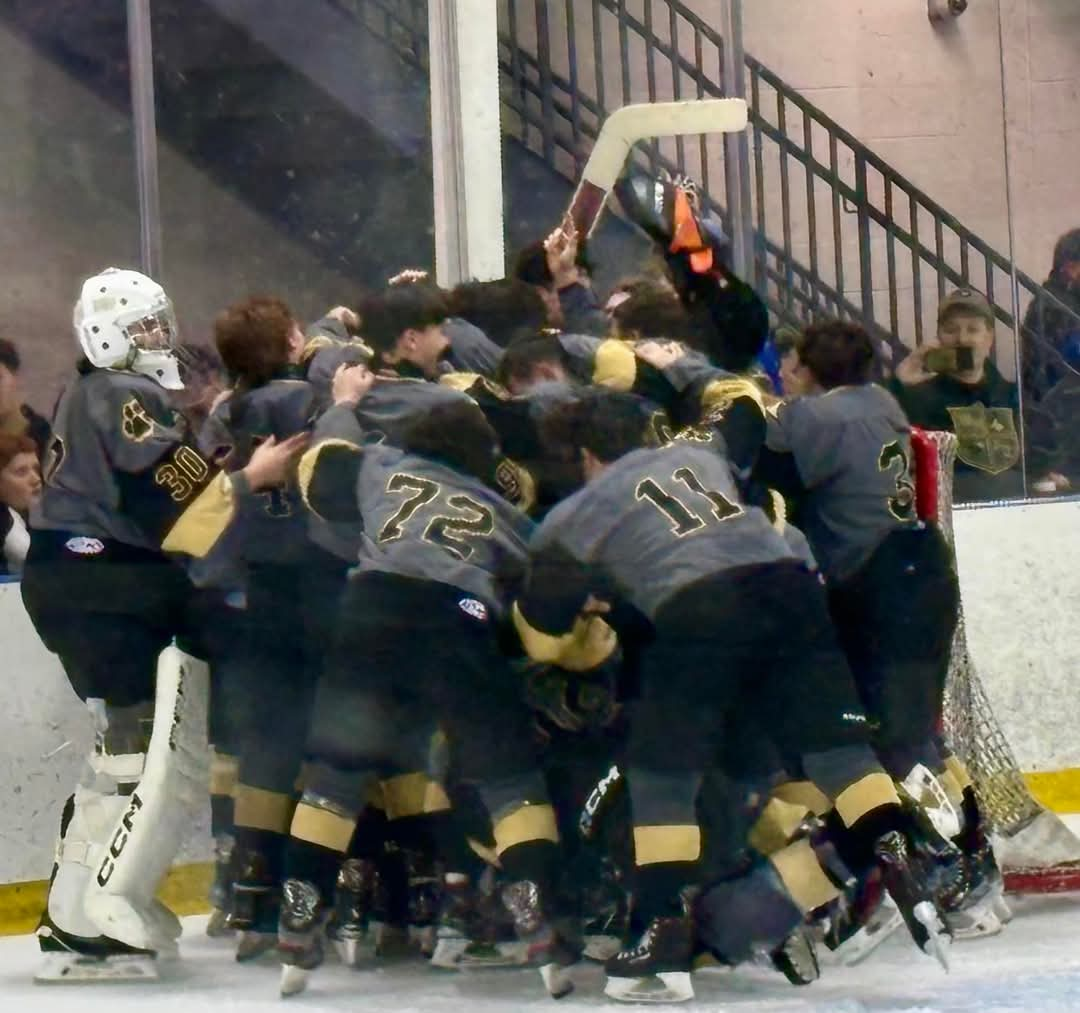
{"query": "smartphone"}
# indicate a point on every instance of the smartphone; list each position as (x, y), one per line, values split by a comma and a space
(950, 360)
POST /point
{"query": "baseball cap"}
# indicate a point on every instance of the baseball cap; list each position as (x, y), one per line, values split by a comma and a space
(968, 300)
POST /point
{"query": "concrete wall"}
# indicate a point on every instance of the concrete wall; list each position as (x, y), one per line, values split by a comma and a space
(1021, 592)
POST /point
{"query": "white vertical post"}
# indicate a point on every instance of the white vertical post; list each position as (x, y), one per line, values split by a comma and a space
(466, 140)
(141, 56)
(737, 146)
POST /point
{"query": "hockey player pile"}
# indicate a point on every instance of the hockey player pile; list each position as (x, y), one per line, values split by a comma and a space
(517, 645)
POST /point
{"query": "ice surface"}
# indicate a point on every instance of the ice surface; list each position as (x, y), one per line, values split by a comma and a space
(1033, 966)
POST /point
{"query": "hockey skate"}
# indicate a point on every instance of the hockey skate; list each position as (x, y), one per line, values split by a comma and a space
(854, 926)
(906, 883)
(69, 958)
(657, 968)
(796, 958)
(353, 897)
(552, 950)
(221, 889)
(300, 934)
(255, 906)
(470, 933)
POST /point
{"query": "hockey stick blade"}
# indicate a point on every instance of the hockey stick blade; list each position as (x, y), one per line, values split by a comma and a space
(633, 123)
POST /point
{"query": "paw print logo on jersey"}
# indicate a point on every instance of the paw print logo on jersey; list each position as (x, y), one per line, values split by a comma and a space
(135, 424)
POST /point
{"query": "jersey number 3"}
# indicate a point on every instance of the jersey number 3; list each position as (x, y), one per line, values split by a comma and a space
(894, 459)
(452, 531)
(684, 521)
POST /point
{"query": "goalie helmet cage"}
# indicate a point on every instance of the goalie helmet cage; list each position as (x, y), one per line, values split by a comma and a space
(1037, 852)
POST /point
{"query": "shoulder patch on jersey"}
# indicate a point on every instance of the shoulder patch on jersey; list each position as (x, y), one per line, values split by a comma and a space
(82, 546)
(475, 608)
(135, 423)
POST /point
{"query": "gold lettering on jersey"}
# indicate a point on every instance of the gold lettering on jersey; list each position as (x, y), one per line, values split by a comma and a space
(986, 438)
(135, 424)
(516, 484)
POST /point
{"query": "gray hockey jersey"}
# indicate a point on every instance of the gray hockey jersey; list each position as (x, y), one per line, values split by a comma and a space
(122, 466)
(852, 449)
(655, 522)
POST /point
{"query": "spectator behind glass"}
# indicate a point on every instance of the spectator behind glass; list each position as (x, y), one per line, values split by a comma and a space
(1051, 329)
(16, 418)
(966, 396)
(20, 484)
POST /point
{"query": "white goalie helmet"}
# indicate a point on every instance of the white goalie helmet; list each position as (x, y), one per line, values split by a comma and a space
(124, 320)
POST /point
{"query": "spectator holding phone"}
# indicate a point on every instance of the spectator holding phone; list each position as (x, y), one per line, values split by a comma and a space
(953, 385)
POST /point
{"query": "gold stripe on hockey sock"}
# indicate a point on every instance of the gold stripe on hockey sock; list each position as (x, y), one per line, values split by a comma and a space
(775, 826)
(412, 795)
(224, 773)
(869, 792)
(523, 824)
(804, 793)
(654, 844)
(322, 827)
(262, 810)
(798, 867)
(955, 766)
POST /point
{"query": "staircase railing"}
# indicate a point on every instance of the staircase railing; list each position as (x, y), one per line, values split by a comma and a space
(837, 230)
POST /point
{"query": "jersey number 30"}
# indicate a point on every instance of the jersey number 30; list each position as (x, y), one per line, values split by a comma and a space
(451, 531)
(684, 520)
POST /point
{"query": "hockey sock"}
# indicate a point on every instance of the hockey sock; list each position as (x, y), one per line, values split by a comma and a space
(315, 864)
(657, 890)
(855, 844)
(261, 854)
(537, 861)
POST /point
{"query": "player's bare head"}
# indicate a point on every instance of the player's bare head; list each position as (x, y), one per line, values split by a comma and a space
(456, 434)
(531, 359)
(403, 323)
(256, 339)
(603, 424)
(501, 309)
(837, 353)
(652, 310)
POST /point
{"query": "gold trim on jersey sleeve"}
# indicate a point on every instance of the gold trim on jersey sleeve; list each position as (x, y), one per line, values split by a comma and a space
(458, 381)
(614, 365)
(668, 843)
(718, 395)
(589, 643)
(309, 461)
(799, 868)
(199, 527)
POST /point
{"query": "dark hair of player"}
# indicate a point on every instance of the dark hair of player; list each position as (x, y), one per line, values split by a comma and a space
(605, 423)
(9, 355)
(252, 338)
(458, 435)
(501, 309)
(838, 353)
(400, 308)
(11, 445)
(653, 311)
(524, 354)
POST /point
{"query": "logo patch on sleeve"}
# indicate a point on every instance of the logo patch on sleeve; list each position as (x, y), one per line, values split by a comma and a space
(135, 424)
(474, 608)
(84, 546)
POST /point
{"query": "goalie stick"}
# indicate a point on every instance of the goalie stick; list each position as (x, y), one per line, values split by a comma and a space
(633, 123)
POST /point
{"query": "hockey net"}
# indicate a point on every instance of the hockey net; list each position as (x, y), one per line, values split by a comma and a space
(1036, 850)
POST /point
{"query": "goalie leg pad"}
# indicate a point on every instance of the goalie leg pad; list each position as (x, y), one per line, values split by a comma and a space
(145, 839)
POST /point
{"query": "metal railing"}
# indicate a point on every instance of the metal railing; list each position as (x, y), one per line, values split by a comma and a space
(837, 231)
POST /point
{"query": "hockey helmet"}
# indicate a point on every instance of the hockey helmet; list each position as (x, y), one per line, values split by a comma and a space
(124, 320)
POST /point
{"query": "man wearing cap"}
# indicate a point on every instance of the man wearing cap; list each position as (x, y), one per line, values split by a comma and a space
(965, 394)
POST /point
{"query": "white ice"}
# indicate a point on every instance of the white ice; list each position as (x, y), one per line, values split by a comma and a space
(1033, 966)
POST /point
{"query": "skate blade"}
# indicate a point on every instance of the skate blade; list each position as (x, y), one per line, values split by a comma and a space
(975, 922)
(1002, 910)
(293, 980)
(864, 942)
(937, 938)
(557, 980)
(466, 955)
(252, 945)
(218, 924)
(668, 986)
(64, 968)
